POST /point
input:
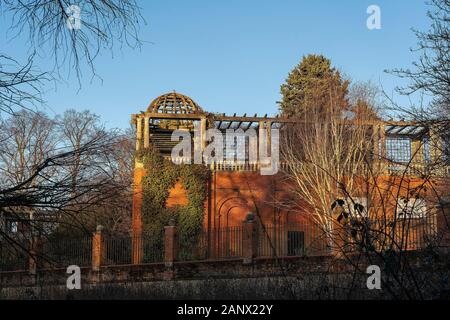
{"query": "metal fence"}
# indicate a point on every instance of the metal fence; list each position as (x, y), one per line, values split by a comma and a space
(62, 252)
(145, 248)
(402, 234)
(152, 247)
(14, 256)
(307, 239)
(298, 239)
(273, 240)
(195, 250)
(117, 250)
(280, 240)
(49, 252)
(227, 243)
(221, 243)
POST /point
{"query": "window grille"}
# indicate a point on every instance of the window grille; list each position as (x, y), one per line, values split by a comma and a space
(398, 149)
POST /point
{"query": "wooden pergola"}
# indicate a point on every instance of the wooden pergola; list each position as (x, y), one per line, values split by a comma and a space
(177, 108)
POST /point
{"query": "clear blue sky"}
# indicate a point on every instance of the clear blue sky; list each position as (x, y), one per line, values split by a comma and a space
(231, 56)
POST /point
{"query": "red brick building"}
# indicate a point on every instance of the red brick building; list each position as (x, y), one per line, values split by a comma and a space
(235, 189)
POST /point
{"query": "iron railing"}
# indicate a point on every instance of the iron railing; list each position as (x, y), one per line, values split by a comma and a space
(152, 247)
(382, 167)
(117, 250)
(14, 255)
(195, 250)
(404, 234)
(227, 243)
(62, 252)
(220, 243)
(299, 239)
(275, 240)
(145, 248)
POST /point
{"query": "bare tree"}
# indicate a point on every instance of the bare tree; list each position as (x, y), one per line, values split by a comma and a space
(61, 177)
(52, 201)
(76, 128)
(322, 157)
(20, 84)
(115, 214)
(431, 73)
(52, 31)
(47, 24)
(28, 138)
(364, 99)
(370, 208)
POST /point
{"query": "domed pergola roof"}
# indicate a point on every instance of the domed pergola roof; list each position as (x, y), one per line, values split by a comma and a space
(174, 103)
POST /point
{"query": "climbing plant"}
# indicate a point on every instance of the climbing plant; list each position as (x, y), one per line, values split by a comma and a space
(161, 176)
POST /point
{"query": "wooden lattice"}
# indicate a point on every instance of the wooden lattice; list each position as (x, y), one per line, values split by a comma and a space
(174, 103)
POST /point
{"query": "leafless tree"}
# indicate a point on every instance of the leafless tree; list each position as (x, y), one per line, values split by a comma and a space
(368, 206)
(47, 26)
(365, 100)
(78, 128)
(402, 223)
(115, 214)
(27, 139)
(20, 84)
(81, 157)
(61, 178)
(322, 157)
(431, 73)
(51, 200)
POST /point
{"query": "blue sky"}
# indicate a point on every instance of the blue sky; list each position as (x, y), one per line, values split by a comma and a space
(232, 56)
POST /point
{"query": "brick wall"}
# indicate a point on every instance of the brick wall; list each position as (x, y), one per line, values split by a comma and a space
(288, 278)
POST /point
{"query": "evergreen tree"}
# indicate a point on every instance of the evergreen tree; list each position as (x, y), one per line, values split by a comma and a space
(314, 89)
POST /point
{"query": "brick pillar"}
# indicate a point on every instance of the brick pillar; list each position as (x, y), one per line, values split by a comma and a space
(443, 224)
(170, 244)
(249, 239)
(136, 215)
(137, 249)
(97, 249)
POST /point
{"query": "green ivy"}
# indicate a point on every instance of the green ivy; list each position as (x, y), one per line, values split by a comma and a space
(161, 176)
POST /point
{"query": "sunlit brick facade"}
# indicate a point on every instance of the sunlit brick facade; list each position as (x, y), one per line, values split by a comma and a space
(235, 189)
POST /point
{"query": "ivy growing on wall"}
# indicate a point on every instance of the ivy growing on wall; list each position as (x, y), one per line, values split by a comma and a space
(161, 176)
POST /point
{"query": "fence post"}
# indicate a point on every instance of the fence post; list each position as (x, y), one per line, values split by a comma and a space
(170, 244)
(443, 224)
(249, 239)
(137, 251)
(97, 249)
(35, 250)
